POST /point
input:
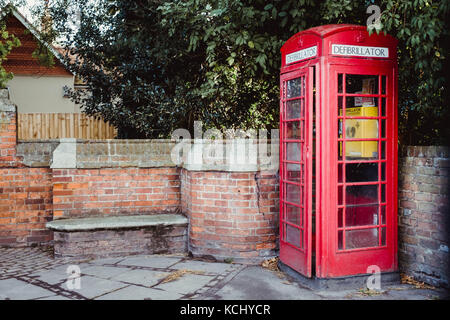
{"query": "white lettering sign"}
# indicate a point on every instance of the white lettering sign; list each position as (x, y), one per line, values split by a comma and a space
(359, 51)
(301, 55)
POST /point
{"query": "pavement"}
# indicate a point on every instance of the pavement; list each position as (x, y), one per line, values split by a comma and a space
(33, 274)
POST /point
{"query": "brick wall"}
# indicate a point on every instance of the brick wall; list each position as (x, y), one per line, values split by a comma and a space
(232, 214)
(424, 214)
(25, 206)
(79, 193)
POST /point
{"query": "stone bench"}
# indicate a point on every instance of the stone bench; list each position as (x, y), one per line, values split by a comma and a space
(119, 235)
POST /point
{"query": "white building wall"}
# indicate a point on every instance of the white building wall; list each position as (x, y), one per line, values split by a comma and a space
(41, 94)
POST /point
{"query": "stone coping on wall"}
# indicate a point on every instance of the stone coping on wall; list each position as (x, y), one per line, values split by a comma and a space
(235, 155)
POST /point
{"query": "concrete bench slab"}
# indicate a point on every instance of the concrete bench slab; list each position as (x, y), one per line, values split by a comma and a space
(102, 237)
(122, 222)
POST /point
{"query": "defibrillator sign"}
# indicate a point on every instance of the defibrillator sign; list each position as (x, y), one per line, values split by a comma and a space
(359, 51)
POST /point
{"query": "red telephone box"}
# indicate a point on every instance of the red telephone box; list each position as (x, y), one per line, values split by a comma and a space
(338, 152)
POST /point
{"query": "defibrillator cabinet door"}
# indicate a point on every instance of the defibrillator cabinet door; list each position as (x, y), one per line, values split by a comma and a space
(295, 169)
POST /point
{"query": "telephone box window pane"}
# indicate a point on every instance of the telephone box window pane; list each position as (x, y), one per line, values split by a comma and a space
(364, 238)
(293, 151)
(340, 173)
(362, 150)
(293, 109)
(383, 236)
(293, 130)
(294, 88)
(340, 217)
(361, 216)
(340, 106)
(292, 235)
(383, 128)
(383, 150)
(364, 84)
(361, 172)
(340, 195)
(383, 193)
(340, 240)
(383, 214)
(383, 171)
(293, 214)
(383, 107)
(361, 195)
(353, 105)
(361, 129)
(383, 84)
(293, 172)
(340, 77)
(293, 193)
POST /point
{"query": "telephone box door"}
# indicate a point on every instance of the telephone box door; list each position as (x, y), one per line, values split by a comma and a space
(295, 169)
(360, 213)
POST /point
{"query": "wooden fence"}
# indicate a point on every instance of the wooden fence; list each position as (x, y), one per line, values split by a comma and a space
(62, 125)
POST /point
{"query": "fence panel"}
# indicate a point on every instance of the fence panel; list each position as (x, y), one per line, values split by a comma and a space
(62, 125)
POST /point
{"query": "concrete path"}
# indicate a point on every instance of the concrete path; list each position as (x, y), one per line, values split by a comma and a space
(32, 273)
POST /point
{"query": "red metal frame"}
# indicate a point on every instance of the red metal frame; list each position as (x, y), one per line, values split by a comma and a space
(335, 257)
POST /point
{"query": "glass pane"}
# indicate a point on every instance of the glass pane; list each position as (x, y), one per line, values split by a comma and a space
(383, 107)
(364, 150)
(361, 172)
(383, 150)
(383, 84)
(340, 83)
(340, 106)
(340, 172)
(361, 129)
(383, 214)
(293, 172)
(292, 235)
(383, 193)
(383, 128)
(383, 171)
(294, 88)
(361, 216)
(293, 151)
(361, 238)
(340, 217)
(360, 195)
(293, 193)
(340, 240)
(361, 102)
(383, 236)
(293, 130)
(293, 109)
(340, 195)
(364, 84)
(293, 214)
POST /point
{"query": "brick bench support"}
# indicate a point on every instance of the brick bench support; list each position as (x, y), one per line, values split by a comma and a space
(119, 236)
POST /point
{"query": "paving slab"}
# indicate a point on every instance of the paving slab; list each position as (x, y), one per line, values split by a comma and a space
(151, 261)
(56, 275)
(146, 278)
(133, 292)
(209, 267)
(13, 289)
(105, 272)
(256, 283)
(92, 287)
(104, 261)
(187, 283)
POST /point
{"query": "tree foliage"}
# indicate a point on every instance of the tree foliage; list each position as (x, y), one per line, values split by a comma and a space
(153, 66)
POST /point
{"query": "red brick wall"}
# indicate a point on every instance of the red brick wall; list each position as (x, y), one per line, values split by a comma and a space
(115, 191)
(232, 215)
(8, 139)
(424, 218)
(25, 206)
